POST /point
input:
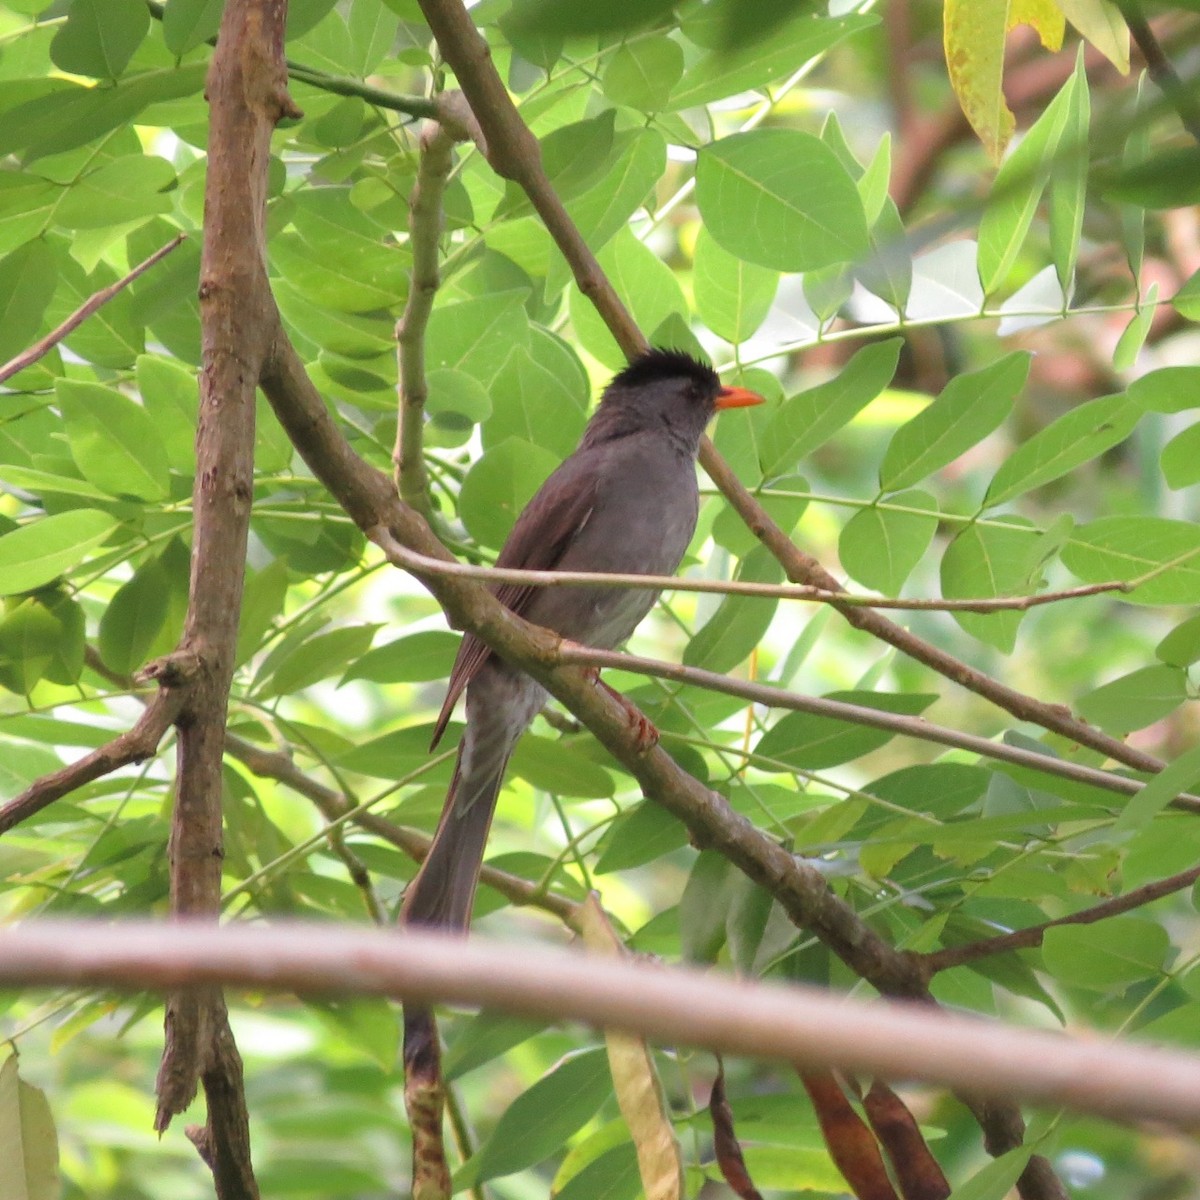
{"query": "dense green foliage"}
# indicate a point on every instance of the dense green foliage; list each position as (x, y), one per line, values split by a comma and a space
(734, 183)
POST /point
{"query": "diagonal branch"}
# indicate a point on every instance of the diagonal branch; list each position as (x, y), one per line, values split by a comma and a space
(1024, 939)
(513, 153)
(43, 346)
(858, 714)
(134, 746)
(1181, 97)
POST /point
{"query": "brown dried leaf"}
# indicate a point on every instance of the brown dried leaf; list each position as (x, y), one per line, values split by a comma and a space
(917, 1171)
(852, 1145)
(728, 1148)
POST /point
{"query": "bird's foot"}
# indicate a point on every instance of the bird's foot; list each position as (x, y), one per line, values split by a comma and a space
(643, 728)
(646, 735)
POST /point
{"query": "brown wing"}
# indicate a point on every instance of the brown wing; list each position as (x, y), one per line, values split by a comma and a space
(539, 539)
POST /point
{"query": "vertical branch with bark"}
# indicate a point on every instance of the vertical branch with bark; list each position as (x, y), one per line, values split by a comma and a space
(247, 93)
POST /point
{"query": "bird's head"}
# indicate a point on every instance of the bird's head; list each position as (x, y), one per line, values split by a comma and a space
(665, 389)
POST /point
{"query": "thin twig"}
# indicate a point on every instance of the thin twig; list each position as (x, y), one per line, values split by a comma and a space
(1023, 939)
(418, 564)
(44, 345)
(337, 810)
(856, 714)
(134, 746)
(1161, 71)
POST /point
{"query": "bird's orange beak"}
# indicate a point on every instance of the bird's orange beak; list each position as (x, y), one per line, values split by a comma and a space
(736, 397)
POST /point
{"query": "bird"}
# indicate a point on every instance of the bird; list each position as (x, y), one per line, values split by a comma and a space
(624, 501)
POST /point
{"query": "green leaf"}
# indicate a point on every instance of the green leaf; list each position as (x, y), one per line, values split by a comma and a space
(811, 742)
(1075, 438)
(74, 115)
(1127, 548)
(1180, 459)
(1167, 390)
(970, 407)
(1068, 180)
(113, 440)
(996, 1180)
(316, 659)
(190, 23)
(122, 190)
(1177, 776)
(133, 618)
(1135, 700)
(985, 562)
(732, 297)
(1129, 344)
(604, 210)
(37, 553)
(1186, 300)
(171, 397)
(1019, 185)
(638, 836)
(486, 1037)
(1110, 954)
(780, 198)
(416, 658)
(703, 907)
(477, 336)
(806, 421)
(28, 1138)
(27, 280)
(100, 37)
(540, 395)
(576, 18)
(879, 546)
(263, 595)
(538, 1122)
(1181, 647)
(612, 1175)
(111, 336)
(560, 769)
(499, 485)
(740, 622)
(641, 74)
(29, 636)
(647, 286)
(725, 70)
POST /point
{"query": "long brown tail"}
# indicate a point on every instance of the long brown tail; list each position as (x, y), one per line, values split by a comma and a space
(443, 891)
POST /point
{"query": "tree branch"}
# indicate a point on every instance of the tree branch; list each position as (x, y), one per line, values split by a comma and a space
(1024, 939)
(514, 153)
(857, 714)
(796, 1024)
(97, 300)
(1161, 71)
(247, 92)
(424, 235)
(134, 746)
(734, 587)
(337, 810)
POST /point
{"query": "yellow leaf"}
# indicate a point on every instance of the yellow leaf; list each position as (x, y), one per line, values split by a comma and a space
(1044, 15)
(1100, 22)
(639, 1094)
(974, 33)
(974, 37)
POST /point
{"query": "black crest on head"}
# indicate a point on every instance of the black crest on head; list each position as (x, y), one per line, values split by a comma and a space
(657, 364)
